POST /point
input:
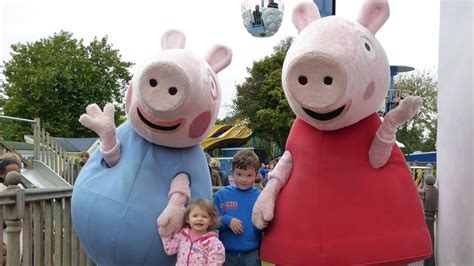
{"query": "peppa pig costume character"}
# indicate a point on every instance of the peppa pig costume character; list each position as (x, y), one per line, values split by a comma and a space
(342, 193)
(150, 166)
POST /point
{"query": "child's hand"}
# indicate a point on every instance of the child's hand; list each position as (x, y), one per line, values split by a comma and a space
(236, 226)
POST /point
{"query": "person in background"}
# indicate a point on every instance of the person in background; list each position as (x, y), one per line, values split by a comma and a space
(84, 158)
(215, 178)
(263, 171)
(257, 16)
(197, 243)
(271, 166)
(234, 204)
(216, 165)
(259, 182)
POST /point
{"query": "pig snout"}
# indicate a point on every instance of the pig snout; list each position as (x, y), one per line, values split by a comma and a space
(163, 87)
(317, 80)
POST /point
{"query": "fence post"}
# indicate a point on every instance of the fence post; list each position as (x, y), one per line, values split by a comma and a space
(431, 208)
(430, 171)
(13, 215)
(36, 136)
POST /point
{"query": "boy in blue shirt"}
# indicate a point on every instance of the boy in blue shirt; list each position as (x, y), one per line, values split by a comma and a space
(235, 204)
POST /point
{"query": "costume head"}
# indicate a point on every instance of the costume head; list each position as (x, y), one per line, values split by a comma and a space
(175, 97)
(335, 80)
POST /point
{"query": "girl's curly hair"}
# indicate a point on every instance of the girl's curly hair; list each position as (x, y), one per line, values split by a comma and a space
(207, 206)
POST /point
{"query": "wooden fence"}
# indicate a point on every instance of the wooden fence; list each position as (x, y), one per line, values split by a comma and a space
(38, 221)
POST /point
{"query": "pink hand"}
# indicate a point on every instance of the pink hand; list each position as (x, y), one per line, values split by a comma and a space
(407, 109)
(101, 123)
(171, 219)
(263, 209)
(381, 147)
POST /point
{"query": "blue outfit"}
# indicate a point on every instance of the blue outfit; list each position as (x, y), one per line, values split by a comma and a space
(114, 210)
(231, 202)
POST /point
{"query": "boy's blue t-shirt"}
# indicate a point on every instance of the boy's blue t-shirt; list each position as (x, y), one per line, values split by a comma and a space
(232, 202)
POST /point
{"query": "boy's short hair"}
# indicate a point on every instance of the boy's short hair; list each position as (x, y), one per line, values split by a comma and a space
(244, 159)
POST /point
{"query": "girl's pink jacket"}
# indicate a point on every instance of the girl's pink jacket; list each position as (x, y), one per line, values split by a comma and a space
(205, 250)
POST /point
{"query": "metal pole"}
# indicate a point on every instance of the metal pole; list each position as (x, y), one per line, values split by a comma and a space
(17, 118)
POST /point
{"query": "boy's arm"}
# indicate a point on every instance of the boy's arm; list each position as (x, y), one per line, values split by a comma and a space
(225, 219)
(216, 253)
(171, 243)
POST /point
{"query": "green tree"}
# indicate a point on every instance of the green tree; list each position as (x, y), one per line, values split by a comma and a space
(261, 100)
(55, 78)
(419, 134)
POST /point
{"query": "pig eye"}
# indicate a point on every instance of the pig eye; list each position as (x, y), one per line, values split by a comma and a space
(153, 82)
(367, 47)
(172, 90)
(303, 80)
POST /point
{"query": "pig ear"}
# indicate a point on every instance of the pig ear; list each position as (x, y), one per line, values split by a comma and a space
(219, 57)
(373, 14)
(173, 39)
(304, 13)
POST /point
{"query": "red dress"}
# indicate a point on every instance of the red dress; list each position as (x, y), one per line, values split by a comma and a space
(337, 210)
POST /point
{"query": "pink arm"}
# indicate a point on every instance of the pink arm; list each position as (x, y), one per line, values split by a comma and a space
(179, 190)
(381, 147)
(171, 244)
(216, 255)
(110, 149)
(278, 178)
(264, 207)
(171, 219)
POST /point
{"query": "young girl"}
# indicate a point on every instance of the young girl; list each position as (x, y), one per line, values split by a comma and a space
(197, 243)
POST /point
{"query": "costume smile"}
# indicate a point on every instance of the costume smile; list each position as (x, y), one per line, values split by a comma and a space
(156, 126)
(324, 116)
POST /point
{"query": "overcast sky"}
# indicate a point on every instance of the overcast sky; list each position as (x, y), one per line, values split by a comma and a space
(410, 36)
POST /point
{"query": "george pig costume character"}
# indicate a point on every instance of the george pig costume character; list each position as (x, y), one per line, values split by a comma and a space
(342, 193)
(150, 166)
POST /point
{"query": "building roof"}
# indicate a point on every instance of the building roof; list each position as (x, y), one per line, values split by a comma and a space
(75, 144)
(20, 145)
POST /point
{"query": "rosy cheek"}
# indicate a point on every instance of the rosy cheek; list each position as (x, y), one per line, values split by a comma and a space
(369, 91)
(199, 125)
